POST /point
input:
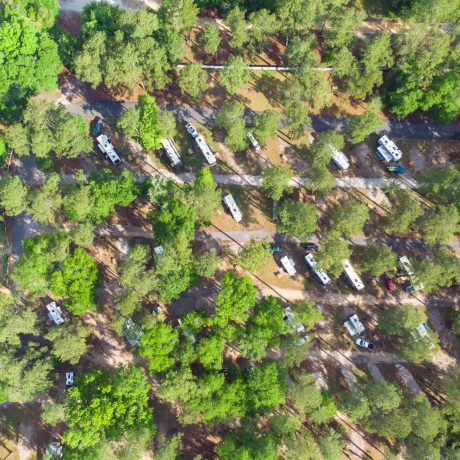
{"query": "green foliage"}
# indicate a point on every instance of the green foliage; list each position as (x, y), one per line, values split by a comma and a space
(106, 405)
(343, 25)
(207, 264)
(296, 118)
(24, 374)
(69, 341)
(149, 130)
(383, 397)
(238, 27)
(204, 197)
(83, 234)
(443, 184)
(321, 151)
(266, 126)
(236, 297)
(440, 226)
(456, 322)
(76, 281)
(13, 195)
(53, 413)
(333, 252)
(377, 259)
(331, 446)
(303, 393)
(320, 179)
(361, 126)
(231, 119)
(297, 219)
(192, 80)
(397, 321)
(234, 75)
(275, 182)
(350, 217)
(180, 15)
(285, 426)
(355, 404)
(405, 211)
(156, 345)
(306, 313)
(15, 320)
(44, 203)
(266, 386)
(17, 138)
(168, 449)
(128, 123)
(210, 352)
(254, 256)
(210, 38)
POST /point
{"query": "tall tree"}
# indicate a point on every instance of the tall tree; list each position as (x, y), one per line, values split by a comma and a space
(238, 27)
(333, 252)
(349, 218)
(210, 38)
(44, 203)
(180, 14)
(149, 130)
(405, 211)
(205, 197)
(192, 80)
(361, 126)
(377, 259)
(13, 195)
(234, 75)
(254, 256)
(275, 182)
(297, 219)
(266, 125)
(440, 225)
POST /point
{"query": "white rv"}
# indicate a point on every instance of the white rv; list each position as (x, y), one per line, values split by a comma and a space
(206, 151)
(340, 159)
(354, 325)
(388, 150)
(421, 331)
(107, 149)
(289, 318)
(255, 145)
(55, 313)
(406, 266)
(171, 152)
(231, 205)
(322, 276)
(289, 265)
(352, 276)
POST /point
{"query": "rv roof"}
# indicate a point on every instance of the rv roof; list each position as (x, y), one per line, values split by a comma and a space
(171, 152)
(340, 159)
(289, 265)
(107, 148)
(351, 274)
(391, 147)
(354, 325)
(313, 265)
(206, 151)
(233, 207)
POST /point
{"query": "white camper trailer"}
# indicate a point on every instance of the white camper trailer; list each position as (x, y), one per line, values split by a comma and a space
(171, 152)
(352, 276)
(322, 276)
(206, 151)
(55, 313)
(388, 150)
(255, 145)
(406, 266)
(108, 149)
(289, 265)
(354, 325)
(233, 208)
(340, 159)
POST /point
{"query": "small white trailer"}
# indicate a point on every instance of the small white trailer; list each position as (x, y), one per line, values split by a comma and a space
(322, 276)
(108, 149)
(354, 325)
(55, 313)
(205, 150)
(406, 266)
(340, 159)
(352, 276)
(289, 265)
(233, 208)
(254, 143)
(388, 150)
(171, 152)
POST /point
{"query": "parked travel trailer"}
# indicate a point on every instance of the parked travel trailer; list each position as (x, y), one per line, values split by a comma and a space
(352, 276)
(171, 152)
(107, 149)
(55, 313)
(388, 150)
(254, 144)
(421, 332)
(206, 151)
(133, 332)
(289, 265)
(289, 318)
(322, 276)
(354, 325)
(340, 159)
(233, 208)
(406, 266)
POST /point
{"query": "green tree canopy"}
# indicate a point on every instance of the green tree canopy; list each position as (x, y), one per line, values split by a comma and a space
(210, 38)
(440, 225)
(377, 259)
(13, 195)
(297, 219)
(192, 80)
(234, 75)
(266, 126)
(332, 254)
(361, 126)
(275, 182)
(349, 218)
(405, 211)
(254, 255)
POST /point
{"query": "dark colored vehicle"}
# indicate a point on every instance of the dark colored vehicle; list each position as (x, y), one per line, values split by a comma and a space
(97, 127)
(365, 344)
(398, 169)
(276, 248)
(389, 283)
(310, 247)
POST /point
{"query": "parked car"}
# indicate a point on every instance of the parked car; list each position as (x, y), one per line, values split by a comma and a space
(276, 248)
(191, 130)
(398, 169)
(310, 247)
(69, 379)
(364, 344)
(97, 127)
(389, 283)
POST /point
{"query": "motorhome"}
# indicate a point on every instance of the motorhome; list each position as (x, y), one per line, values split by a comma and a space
(340, 159)
(108, 149)
(352, 276)
(387, 150)
(233, 208)
(55, 313)
(322, 276)
(206, 151)
(354, 325)
(406, 266)
(288, 265)
(255, 145)
(171, 152)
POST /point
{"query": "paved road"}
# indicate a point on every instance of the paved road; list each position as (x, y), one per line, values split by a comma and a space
(206, 115)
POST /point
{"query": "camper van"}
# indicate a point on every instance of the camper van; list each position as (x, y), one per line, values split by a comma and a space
(233, 208)
(171, 152)
(322, 276)
(107, 149)
(387, 150)
(352, 276)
